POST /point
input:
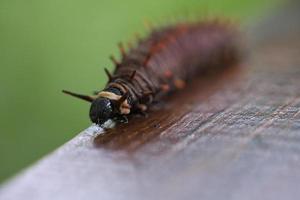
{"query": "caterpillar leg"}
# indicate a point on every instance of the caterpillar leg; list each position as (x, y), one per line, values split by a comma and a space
(141, 110)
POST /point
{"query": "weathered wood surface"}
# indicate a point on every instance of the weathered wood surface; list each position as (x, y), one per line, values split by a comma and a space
(235, 135)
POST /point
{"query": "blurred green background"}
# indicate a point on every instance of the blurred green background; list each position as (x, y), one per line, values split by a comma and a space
(47, 46)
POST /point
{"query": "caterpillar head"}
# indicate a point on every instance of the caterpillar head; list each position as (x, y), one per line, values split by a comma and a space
(101, 110)
(106, 105)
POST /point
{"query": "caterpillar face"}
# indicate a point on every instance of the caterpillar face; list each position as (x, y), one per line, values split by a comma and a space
(108, 105)
(101, 110)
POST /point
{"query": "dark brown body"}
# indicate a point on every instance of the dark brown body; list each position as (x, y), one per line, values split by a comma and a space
(171, 56)
(161, 63)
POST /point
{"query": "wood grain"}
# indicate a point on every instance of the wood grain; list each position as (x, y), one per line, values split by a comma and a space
(230, 135)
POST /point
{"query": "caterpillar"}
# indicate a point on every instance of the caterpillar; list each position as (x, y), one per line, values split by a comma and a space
(163, 62)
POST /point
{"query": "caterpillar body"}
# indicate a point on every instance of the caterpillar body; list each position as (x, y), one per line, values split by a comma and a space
(162, 63)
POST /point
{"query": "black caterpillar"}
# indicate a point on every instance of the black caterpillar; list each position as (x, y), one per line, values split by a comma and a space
(161, 63)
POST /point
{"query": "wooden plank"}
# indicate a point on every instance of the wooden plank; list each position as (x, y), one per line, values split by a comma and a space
(231, 135)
